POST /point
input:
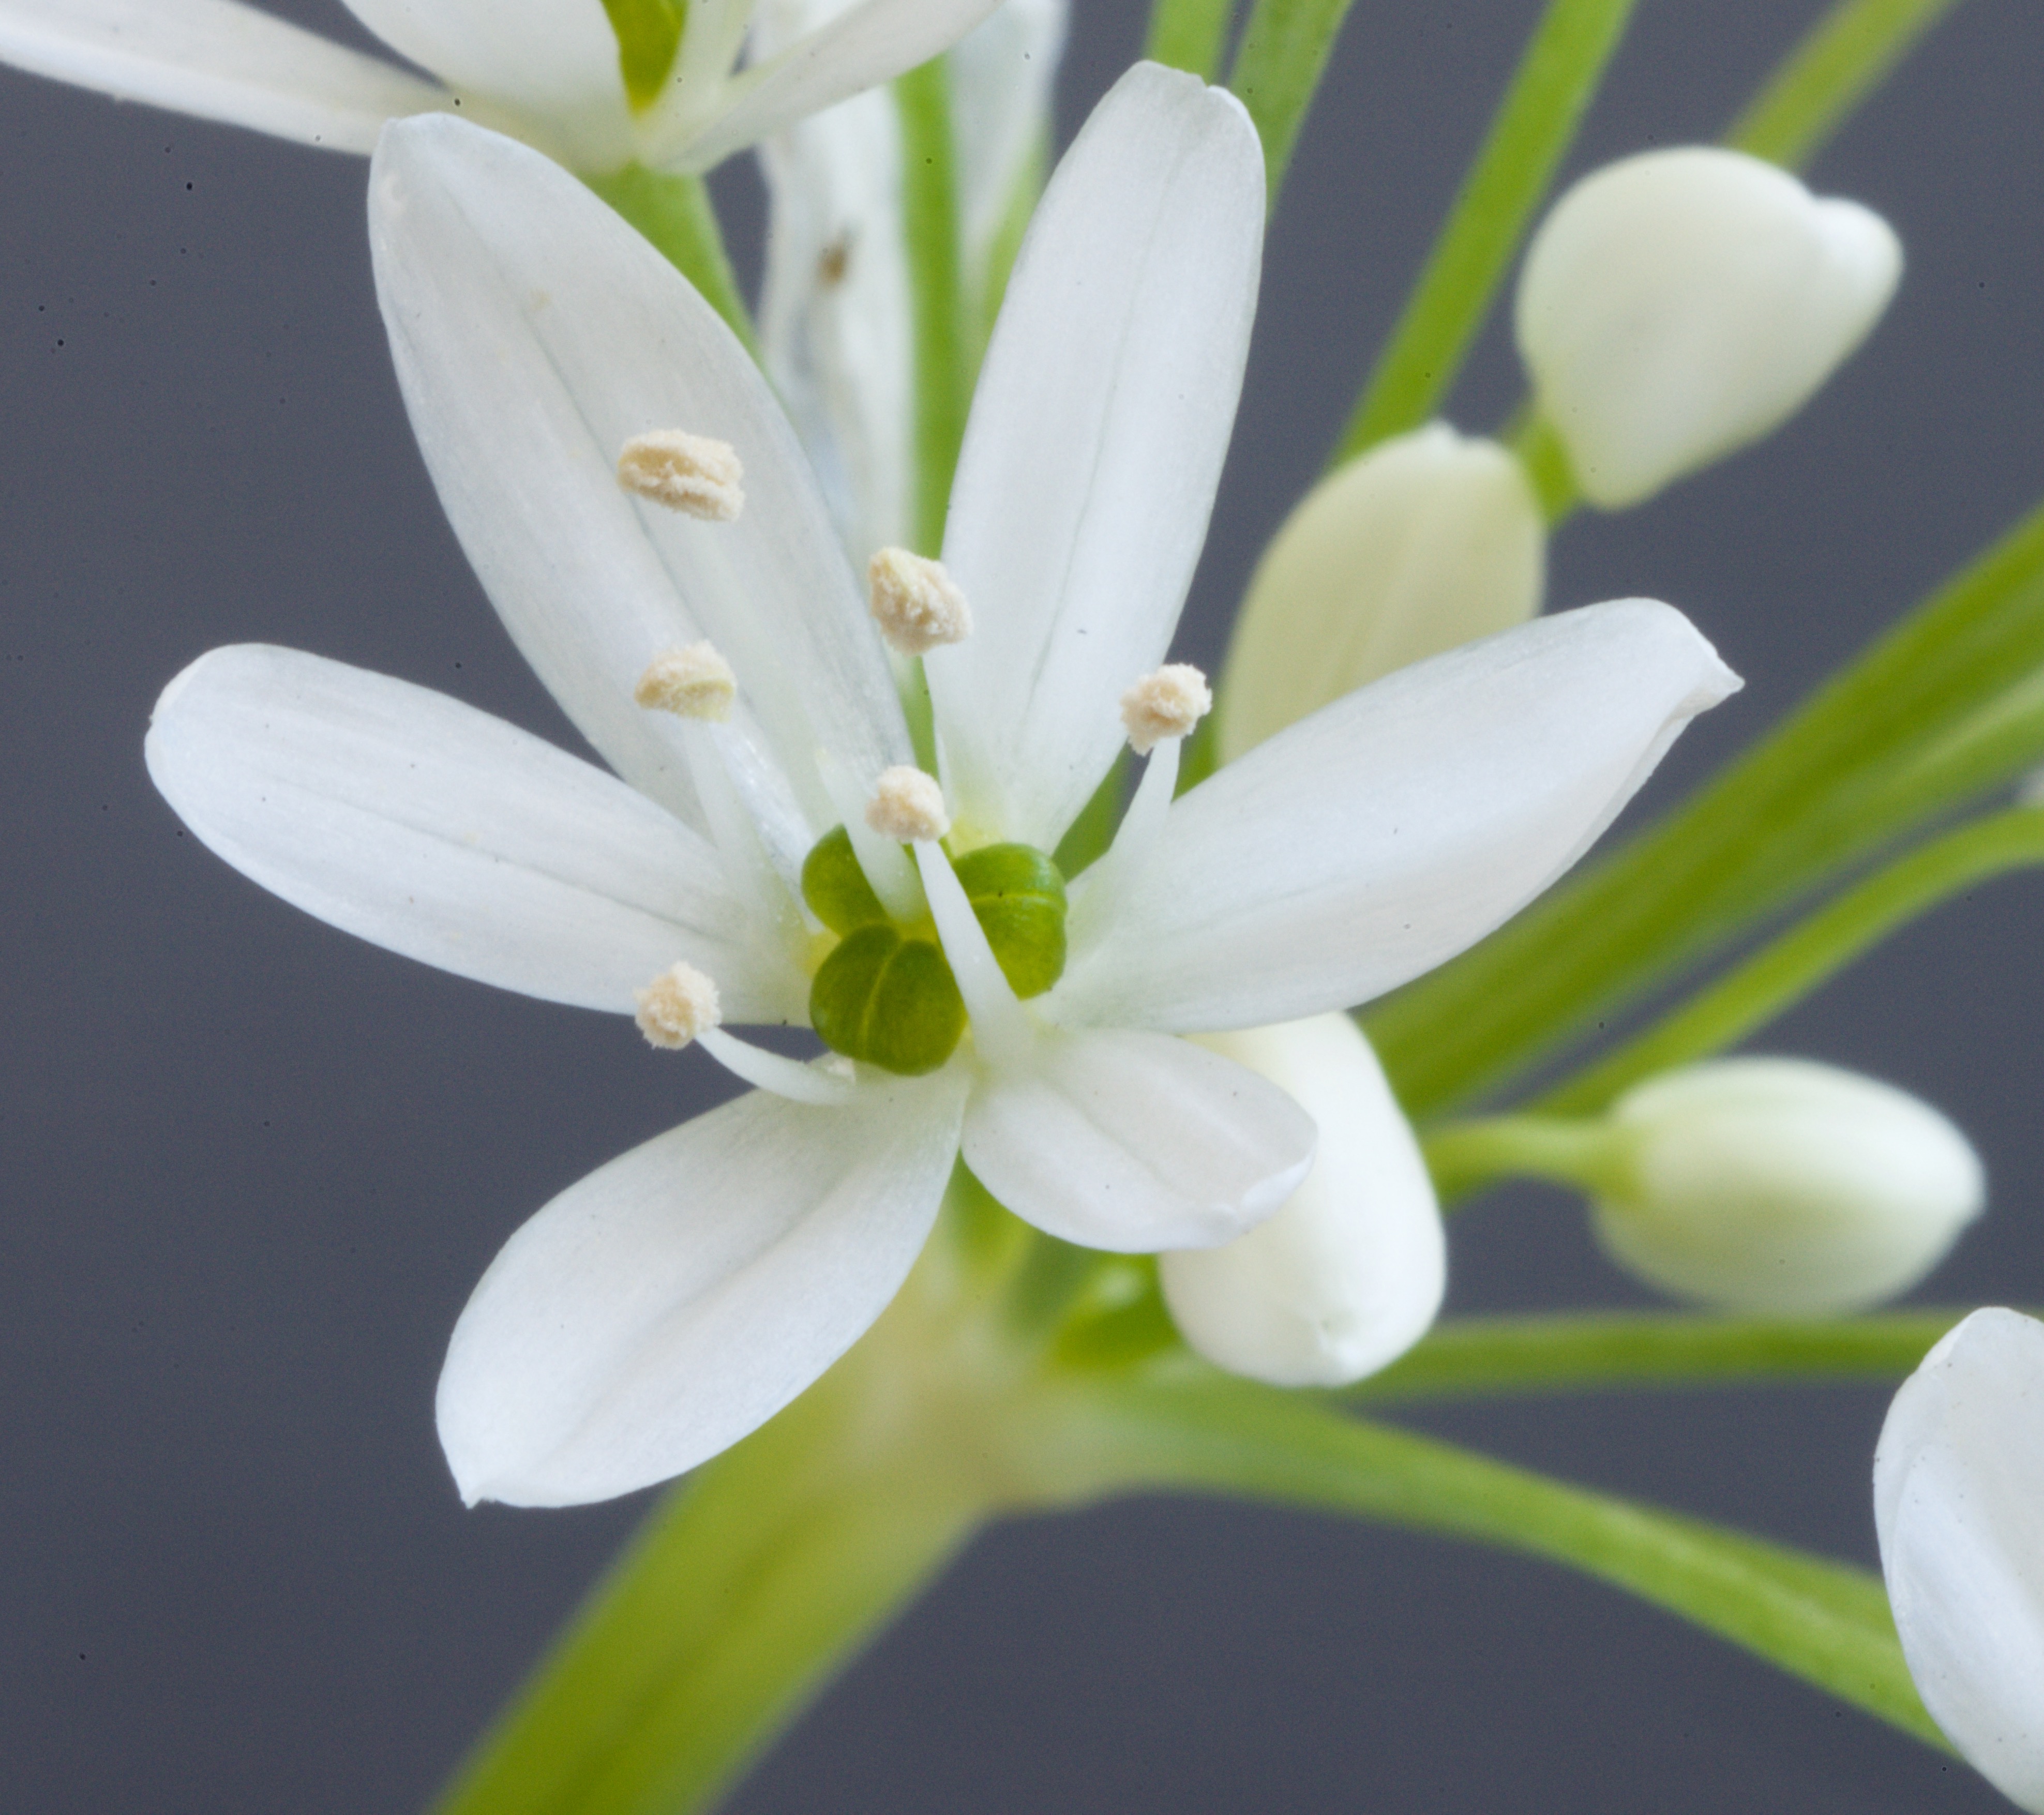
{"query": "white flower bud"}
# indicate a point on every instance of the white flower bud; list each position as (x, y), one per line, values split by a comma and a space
(1783, 1186)
(1678, 305)
(1348, 1274)
(1958, 1504)
(1428, 541)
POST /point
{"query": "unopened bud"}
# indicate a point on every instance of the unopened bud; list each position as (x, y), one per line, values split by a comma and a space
(1782, 1186)
(1349, 1273)
(692, 474)
(693, 682)
(1428, 541)
(1678, 305)
(908, 806)
(916, 604)
(1166, 704)
(676, 1007)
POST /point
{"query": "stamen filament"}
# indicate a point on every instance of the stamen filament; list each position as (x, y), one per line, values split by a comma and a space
(775, 1071)
(999, 1027)
(886, 865)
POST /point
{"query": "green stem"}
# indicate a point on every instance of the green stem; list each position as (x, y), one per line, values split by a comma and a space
(1190, 35)
(942, 325)
(1463, 1155)
(1845, 57)
(1283, 54)
(1632, 1351)
(1534, 128)
(1780, 976)
(674, 213)
(1800, 806)
(1824, 1622)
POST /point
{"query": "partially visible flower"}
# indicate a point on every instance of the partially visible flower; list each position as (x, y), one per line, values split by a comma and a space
(1348, 1274)
(1428, 541)
(1782, 1186)
(595, 84)
(1959, 1505)
(1676, 306)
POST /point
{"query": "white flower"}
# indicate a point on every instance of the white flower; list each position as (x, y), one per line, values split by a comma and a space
(1429, 540)
(1678, 305)
(1348, 1274)
(551, 72)
(1958, 1502)
(1783, 1186)
(671, 1302)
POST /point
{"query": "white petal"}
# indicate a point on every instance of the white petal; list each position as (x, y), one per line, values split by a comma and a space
(431, 829)
(216, 59)
(1680, 304)
(534, 332)
(1958, 1495)
(1378, 838)
(1095, 445)
(1135, 1141)
(1004, 76)
(865, 45)
(1429, 541)
(1349, 1273)
(674, 1300)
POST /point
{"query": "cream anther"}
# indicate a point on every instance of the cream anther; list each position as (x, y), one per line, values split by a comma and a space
(908, 806)
(692, 474)
(694, 682)
(916, 604)
(676, 1007)
(1164, 705)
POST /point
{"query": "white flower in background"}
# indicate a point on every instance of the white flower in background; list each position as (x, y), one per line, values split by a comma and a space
(1782, 1186)
(661, 88)
(1678, 305)
(671, 1302)
(1349, 1273)
(1428, 541)
(1958, 1502)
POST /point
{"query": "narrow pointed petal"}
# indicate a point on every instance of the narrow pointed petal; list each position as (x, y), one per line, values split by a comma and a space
(218, 61)
(1095, 446)
(534, 333)
(1958, 1500)
(867, 43)
(1134, 1142)
(430, 829)
(1389, 831)
(1349, 1273)
(672, 1302)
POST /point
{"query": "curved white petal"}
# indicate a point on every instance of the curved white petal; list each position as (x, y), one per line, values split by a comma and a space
(867, 43)
(1429, 541)
(1678, 305)
(1095, 445)
(1349, 1273)
(1135, 1141)
(1958, 1500)
(1004, 76)
(534, 332)
(431, 829)
(216, 59)
(677, 1298)
(1378, 838)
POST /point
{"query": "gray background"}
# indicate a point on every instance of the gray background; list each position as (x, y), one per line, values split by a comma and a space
(253, 1168)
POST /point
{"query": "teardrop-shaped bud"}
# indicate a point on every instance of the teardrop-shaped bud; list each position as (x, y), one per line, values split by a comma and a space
(1018, 897)
(1429, 540)
(889, 1000)
(1678, 305)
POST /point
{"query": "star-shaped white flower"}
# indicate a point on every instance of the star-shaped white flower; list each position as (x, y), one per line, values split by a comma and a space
(595, 84)
(669, 1303)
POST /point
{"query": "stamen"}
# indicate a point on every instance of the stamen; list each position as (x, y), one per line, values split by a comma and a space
(823, 1084)
(887, 866)
(677, 1006)
(1000, 1029)
(1165, 705)
(916, 603)
(695, 474)
(908, 806)
(694, 682)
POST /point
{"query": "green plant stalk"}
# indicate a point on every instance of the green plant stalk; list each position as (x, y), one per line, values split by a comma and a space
(1804, 804)
(941, 321)
(1277, 67)
(1463, 1155)
(1780, 976)
(1535, 125)
(1824, 1622)
(1190, 35)
(673, 213)
(1841, 61)
(1650, 1351)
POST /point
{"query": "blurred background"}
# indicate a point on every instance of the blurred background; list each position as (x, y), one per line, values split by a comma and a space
(251, 1168)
